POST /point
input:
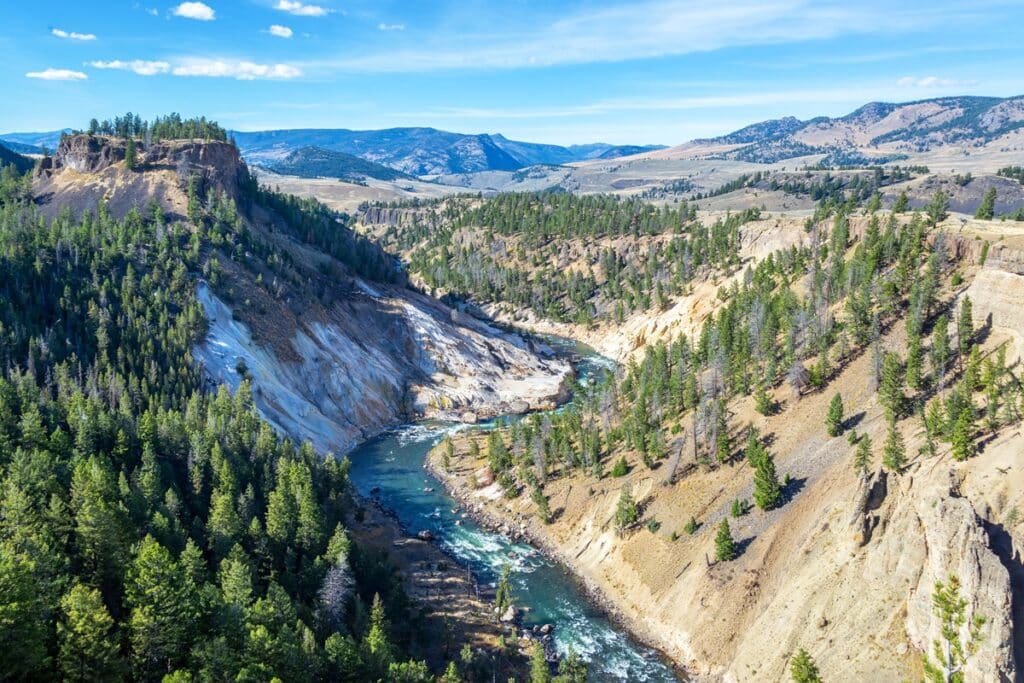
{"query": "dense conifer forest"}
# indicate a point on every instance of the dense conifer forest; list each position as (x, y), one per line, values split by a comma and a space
(152, 528)
(524, 236)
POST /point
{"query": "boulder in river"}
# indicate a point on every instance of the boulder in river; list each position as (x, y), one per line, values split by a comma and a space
(425, 535)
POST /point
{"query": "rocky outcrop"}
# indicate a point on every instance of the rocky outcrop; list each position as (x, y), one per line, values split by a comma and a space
(956, 543)
(88, 169)
(355, 371)
(83, 153)
(217, 164)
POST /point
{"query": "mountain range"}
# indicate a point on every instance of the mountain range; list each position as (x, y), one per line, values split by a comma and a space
(877, 132)
(423, 151)
(874, 133)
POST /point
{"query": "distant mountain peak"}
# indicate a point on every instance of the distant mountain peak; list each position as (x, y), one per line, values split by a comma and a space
(877, 131)
(421, 151)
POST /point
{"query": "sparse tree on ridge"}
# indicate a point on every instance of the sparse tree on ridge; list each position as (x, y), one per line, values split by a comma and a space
(834, 419)
(725, 546)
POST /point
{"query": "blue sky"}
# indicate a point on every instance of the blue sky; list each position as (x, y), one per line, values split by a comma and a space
(646, 71)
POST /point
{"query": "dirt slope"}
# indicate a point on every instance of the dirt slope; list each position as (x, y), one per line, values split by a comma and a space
(844, 569)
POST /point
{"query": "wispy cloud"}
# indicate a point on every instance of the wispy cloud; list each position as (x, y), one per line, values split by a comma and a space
(390, 27)
(194, 10)
(932, 82)
(301, 9)
(140, 66)
(646, 29)
(237, 69)
(72, 35)
(57, 75)
(280, 31)
(853, 95)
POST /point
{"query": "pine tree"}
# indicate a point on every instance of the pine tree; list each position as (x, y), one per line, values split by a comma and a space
(620, 468)
(987, 208)
(22, 631)
(543, 507)
(803, 669)
(965, 327)
(834, 419)
(540, 672)
(725, 547)
(377, 644)
(894, 453)
(951, 652)
(762, 399)
(129, 154)
(940, 349)
(163, 612)
(626, 512)
(767, 490)
(963, 435)
(89, 649)
(890, 391)
(503, 593)
(691, 526)
(572, 668)
(915, 361)
(901, 203)
(447, 453)
(862, 456)
(938, 207)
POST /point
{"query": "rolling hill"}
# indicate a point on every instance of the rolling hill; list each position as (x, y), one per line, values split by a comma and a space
(8, 156)
(316, 162)
(874, 133)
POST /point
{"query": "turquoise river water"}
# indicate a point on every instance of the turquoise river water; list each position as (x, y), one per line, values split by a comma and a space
(391, 465)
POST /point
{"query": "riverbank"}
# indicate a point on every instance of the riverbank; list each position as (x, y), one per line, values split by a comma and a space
(445, 592)
(459, 483)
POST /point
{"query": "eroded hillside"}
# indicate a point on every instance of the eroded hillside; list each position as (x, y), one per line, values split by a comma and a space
(631, 486)
(336, 347)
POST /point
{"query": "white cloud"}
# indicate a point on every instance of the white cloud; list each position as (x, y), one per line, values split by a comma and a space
(390, 27)
(72, 35)
(139, 66)
(57, 75)
(240, 70)
(280, 31)
(301, 9)
(194, 10)
(932, 82)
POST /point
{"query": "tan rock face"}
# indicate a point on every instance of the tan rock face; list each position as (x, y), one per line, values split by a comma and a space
(955, 543)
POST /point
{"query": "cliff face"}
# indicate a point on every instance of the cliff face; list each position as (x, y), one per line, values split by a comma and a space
(353, 370)
(87, 168)
(333, 357)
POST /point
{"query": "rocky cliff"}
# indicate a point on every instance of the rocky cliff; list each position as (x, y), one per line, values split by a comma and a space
(333, 357)
(87, 168)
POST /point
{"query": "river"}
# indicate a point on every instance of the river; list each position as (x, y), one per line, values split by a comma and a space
(391, 466)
